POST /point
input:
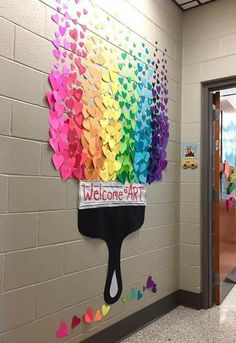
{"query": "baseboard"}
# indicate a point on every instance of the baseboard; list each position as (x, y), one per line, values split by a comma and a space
(190, 299)
(126, 327)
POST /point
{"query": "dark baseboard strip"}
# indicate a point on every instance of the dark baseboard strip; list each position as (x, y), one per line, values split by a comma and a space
(190, 299)
(126, 327)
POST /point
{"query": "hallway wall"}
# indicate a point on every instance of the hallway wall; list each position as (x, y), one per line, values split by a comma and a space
(209, 53)
(48, 271)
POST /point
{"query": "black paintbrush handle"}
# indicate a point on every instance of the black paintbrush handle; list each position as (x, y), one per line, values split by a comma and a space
(113, 286)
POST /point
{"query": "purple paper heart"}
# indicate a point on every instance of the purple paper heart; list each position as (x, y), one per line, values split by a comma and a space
(154, 288)
(150, 283)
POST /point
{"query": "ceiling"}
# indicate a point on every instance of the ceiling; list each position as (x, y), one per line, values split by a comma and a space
(189, 4)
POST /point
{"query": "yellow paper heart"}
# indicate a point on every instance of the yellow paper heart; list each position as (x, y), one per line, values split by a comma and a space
(105, 310)
(103, 173)
(106, 76)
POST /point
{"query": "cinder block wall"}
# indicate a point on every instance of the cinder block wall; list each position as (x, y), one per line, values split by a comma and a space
(48, 271)
(209, 53)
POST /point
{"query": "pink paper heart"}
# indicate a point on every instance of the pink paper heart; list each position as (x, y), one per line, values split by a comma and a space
(53, 133)
(53, 122)
(54, 144)
(57, 96)
(75, 21)
(85, 11)
(77, 1)
(62, 30)
(56, 65)
(62, 146)
(66, 70)
(57, 54)
(81, 44)
(84, 27)
(67, 16)
(58, 160)
(63, 330)
(81, 35)
(67, 44)
(78, 14)
(50, 99)
(56, 43)
(66, 172)
(55, 18)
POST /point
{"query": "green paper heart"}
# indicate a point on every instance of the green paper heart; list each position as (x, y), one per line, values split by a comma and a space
(124, 95)
(132, 99)
(123, 147)
(122, 176)
(136, 72)
(125, 86)
(120, 65)
(124, 55)
(121, 103)
(130, 65)
(121, 80)
(134, 86)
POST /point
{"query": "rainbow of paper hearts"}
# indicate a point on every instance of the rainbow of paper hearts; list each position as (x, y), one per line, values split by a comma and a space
(108, 107)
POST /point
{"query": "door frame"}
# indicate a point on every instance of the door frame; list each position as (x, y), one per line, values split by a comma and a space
(206, 186)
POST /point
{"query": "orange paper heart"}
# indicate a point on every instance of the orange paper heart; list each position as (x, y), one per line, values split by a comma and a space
(98, 316)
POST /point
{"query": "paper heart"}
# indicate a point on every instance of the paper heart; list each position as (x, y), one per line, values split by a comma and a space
(139, 295)
(126, 298)
(66, 172)
(85, 11)
(57, 54)
(63, 330)
(75, 322)
(150, 283)
(133, 293)
(98, 316)
(62, 30)
(105, 310)
(88, 317)
(55, 18)
(74, 34)
(58, 160)
(84, 27)
(154, 288)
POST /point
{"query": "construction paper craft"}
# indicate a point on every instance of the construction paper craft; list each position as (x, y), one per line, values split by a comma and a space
(105, 310)
(98, 316)
(230, 203)
(224, 185)
(227, 169)
(108, 121)
(62, 331)
(112, 224)
(88, 317)
(75, 322)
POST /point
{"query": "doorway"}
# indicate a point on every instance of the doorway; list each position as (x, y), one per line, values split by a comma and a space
(218, 184)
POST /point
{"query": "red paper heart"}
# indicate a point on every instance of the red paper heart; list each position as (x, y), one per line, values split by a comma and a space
(75, 322)
(88, 317)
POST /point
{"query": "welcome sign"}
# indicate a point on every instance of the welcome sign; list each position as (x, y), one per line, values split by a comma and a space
(100, 194)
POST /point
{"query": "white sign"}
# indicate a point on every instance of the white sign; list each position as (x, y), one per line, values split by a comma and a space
(103, 194)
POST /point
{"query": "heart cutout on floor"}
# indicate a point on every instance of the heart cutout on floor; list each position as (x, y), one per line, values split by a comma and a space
(75, 322)
(105, 310)
(88, 317)
(63, 330)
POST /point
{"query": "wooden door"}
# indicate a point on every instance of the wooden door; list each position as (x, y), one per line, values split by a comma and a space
(224, 220)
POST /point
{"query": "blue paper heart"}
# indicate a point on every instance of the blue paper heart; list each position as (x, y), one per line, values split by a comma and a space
(133, 293)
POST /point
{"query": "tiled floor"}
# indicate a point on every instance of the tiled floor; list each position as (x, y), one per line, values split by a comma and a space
(184, 325)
